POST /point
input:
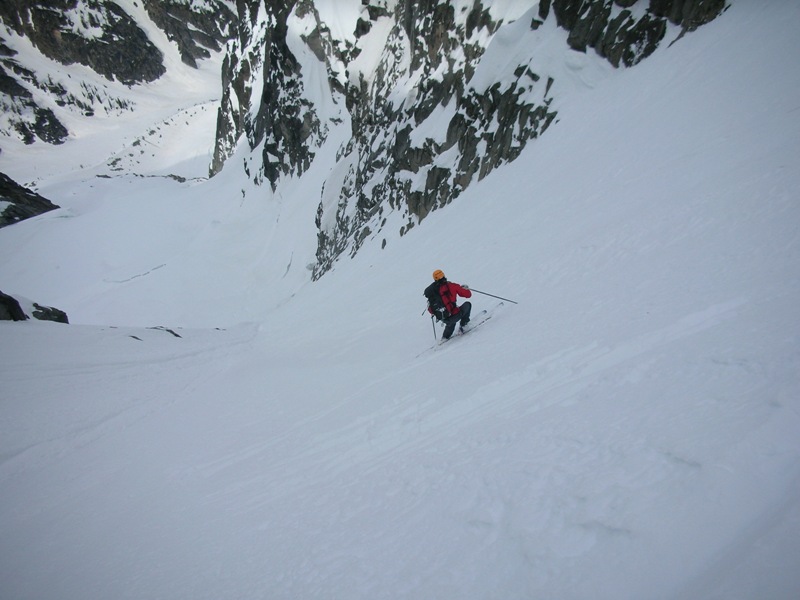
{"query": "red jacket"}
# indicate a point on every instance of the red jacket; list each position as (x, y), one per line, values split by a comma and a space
(449, 291)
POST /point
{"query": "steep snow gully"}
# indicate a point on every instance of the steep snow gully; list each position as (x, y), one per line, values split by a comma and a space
(629, 430)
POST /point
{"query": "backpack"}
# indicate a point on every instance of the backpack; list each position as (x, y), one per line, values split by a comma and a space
(435, 302)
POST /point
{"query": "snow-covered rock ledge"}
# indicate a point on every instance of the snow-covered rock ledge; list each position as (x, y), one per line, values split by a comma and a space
(18, 203)
(21, 309)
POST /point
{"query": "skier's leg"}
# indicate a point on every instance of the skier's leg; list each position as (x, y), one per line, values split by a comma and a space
(450, 326)
(464, 312)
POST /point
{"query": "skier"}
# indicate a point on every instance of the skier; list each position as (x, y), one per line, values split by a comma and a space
(447, 292)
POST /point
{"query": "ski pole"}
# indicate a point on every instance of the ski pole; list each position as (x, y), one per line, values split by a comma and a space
(433, 324)
(493, 296)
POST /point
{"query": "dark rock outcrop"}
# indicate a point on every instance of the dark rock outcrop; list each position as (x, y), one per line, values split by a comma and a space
(689, 14)
(15, 98)
(99, 35)
(618, 36)
(195, 29)
(48, 313)
(18, 202)
(10, 309)
(285, 120)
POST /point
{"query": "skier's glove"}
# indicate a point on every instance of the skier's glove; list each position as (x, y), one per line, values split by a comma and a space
(465, 286)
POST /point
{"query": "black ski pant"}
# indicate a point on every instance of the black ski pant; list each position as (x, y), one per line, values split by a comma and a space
(461, 317)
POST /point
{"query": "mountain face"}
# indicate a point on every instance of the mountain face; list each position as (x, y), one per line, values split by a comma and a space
(437, 94)
(431, 96)
(111, 38)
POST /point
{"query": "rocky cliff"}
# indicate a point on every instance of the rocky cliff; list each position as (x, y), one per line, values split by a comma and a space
(113, 39)
(429, 112)
(620, 36)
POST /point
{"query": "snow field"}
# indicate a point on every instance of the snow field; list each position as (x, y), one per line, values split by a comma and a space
(629, 430)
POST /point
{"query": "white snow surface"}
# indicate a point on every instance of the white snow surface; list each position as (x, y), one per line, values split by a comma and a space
(630, 429)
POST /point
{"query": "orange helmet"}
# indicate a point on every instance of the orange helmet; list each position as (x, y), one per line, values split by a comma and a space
(438, 274)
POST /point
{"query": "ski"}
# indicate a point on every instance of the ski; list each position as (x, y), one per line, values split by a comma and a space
(478, 319)
(481, 318)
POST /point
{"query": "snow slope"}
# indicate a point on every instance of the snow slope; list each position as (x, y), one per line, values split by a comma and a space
(628, 430)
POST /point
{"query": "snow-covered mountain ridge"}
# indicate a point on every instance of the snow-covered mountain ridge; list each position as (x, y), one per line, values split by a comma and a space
(115, 40)
(436, 95)
(425, 98)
